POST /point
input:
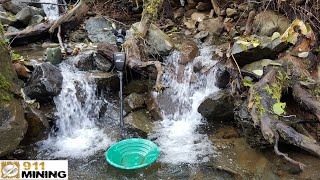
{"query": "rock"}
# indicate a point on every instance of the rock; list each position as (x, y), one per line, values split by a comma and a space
(213, 26)
(190, 24)
(178, 13)
(189, 13)
(21, 70)
(12, 29)
(218, 107)
(107, 50)
(54, 55)
(188, 50)
(139, 120)
(38, 125)
(268, 22)
(204, 6)
(36, 19)
(243, 7)
(7, 20)
(99, 30)
(27, 13)
(137, 86)
(201, 35)
(105, 81)
(1, 8)
(14, 6)
(222, 77)
(198, 16)
(231, 12)
(133, 102)
(258, 65)
(84, 61)
(102, 63)
(267, 49)
(44, 83)
(160, 43)
(78, 36)
(13, 126)
(153, 108)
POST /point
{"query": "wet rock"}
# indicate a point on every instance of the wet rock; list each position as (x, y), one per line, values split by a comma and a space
(105, 81)
(267, 49)
(13, 126)
(102, 63)
(231, 12)
(137, 86)
(213, 26)
(38, 125)
(27, 13)
(226, 132)
(14, 6)
(188, 50)
(78, 36)
(36, 19)
(84, 61)
(12, 29)
(133, 102)
(253, 134)
(218, 107)
(204, 6)
(160, 42)
(153, 107)
(54, 55)
(268, 22)
(222, 77)
(140, 120)
(44, 83)
(99, 30)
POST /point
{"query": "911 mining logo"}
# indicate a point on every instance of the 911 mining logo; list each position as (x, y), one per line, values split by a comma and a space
(10, 170)
(40, 169)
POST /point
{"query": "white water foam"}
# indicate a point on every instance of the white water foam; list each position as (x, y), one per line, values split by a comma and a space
(78, 136)
(177, 134)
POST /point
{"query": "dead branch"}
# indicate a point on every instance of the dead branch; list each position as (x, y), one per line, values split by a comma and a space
(63, 50)
(216, 7)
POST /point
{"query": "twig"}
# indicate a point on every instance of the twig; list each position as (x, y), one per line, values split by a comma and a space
(216, 7)
(63, 50)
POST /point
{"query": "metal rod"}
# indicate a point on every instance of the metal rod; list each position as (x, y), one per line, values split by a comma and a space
(121, 101)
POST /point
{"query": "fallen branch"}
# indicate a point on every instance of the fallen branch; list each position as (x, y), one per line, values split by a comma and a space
(216, 7)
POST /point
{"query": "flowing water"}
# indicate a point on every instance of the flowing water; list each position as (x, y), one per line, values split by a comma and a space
(177, 134)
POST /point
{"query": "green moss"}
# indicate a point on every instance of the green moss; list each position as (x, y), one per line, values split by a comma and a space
(152, 7)
(6, 97)
(257, 101)
(268, 89)
(5, 84)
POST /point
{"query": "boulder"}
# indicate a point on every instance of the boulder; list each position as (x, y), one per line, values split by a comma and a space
(188, 51)
(44, 83)
(14, 6)
(107, 50)
(218, 107)
(213, 25)
(54, 55)
(13, 126)
(102, 63)
(160, 42)
(153, 107)
(222, 77)
(105, 81)
(38, 125)
(100, 30)
(84, 61)
(36, 19)
(133, 102)
(267, 49)
(27, 13)
(137, 86)
(7, 20)
(268, 22)
(140, 120)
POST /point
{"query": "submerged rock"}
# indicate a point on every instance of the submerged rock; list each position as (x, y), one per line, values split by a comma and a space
(218, 107)
(99, 30)
(133, 102)
(13, 126)
(44, 83)
(140, 120)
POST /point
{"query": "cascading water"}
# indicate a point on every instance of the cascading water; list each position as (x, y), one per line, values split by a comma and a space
(78, 135)
(177, 133)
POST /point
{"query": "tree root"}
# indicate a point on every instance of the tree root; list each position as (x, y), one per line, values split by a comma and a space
(264, 94)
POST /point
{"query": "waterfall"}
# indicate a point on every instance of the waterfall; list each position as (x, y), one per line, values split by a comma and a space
(78, 135)
(177, 134)
(51, 10)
